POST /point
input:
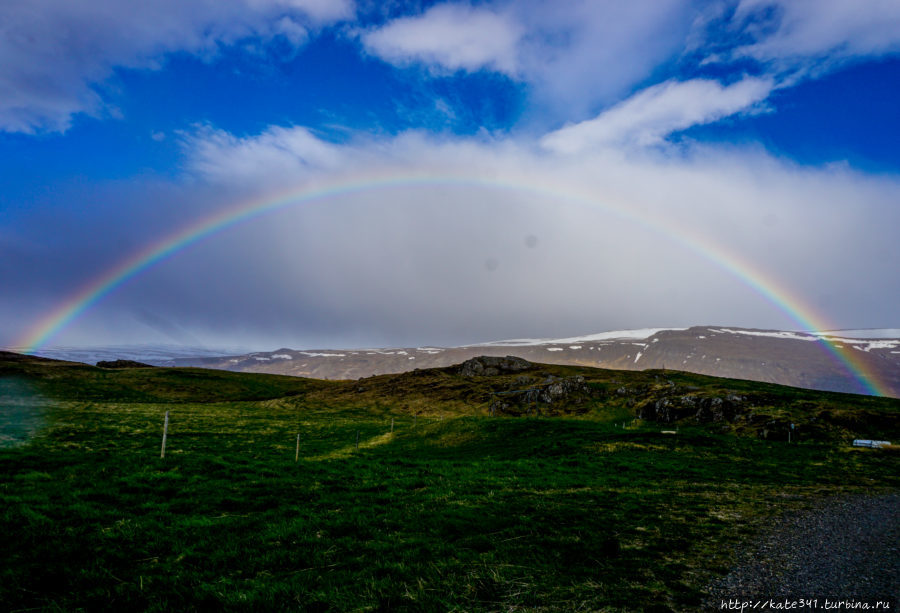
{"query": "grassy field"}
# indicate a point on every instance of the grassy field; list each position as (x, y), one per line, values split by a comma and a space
(454, 510)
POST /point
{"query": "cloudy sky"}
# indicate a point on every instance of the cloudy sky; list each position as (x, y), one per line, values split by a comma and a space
(490, 170)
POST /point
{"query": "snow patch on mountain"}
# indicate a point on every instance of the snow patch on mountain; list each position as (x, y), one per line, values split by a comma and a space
(861, 343)
(638, 334)
(798, 336)
(863, 333)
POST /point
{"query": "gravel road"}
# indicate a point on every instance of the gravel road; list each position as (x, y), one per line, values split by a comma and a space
(844, 549)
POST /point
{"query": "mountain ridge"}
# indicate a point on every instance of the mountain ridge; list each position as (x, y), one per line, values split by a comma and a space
(770, 356)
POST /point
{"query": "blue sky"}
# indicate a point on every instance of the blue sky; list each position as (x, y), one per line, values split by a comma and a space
(762, 129)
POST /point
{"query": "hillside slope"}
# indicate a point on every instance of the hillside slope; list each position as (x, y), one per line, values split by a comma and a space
(489, 385)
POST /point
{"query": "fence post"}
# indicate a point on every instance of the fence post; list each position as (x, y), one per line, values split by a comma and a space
(392, 425)
(162, 453)
(297, 453)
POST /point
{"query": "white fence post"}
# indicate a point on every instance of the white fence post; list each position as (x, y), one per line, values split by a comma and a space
(162, 453)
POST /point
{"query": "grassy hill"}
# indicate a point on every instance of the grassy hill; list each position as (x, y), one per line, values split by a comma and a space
(562, 500)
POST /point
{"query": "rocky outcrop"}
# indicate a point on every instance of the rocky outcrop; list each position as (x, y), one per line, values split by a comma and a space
(554, 389)
(487, 366)
(122, 364)
(551, 394)
(670, 409)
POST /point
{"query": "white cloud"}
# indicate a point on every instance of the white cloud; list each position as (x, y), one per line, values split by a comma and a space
(595, 51)
(574, 57)
(432, 243)
(449, 37)
(277, 155)
(590, 53)
(320, 11)
(293, 31)
(646, 118)
(802, 36)
(54, 53)
(436, 248)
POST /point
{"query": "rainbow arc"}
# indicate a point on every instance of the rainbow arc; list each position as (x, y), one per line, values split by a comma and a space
(152, 254)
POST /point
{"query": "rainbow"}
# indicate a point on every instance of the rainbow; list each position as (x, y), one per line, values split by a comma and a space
(154, 253)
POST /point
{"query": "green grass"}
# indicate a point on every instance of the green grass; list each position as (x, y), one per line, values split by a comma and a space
(470, 513)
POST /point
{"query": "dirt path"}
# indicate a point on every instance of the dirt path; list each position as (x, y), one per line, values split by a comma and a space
(845, 549)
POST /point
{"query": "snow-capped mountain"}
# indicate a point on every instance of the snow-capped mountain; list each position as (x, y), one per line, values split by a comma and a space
(791, 358)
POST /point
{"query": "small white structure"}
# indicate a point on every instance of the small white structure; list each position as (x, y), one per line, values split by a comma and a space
(861, 442)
